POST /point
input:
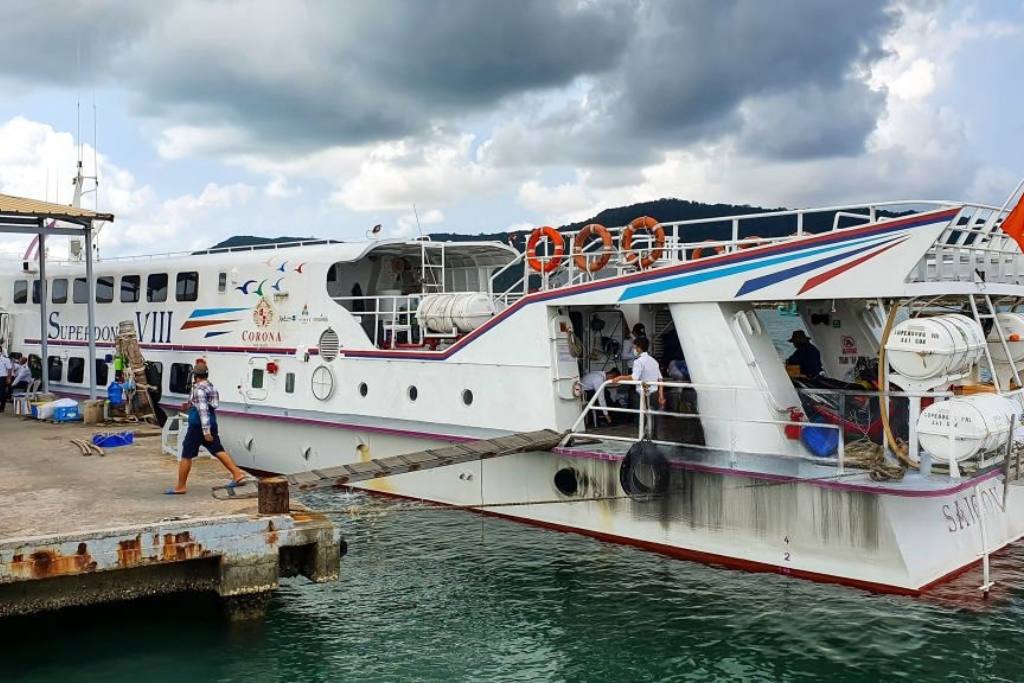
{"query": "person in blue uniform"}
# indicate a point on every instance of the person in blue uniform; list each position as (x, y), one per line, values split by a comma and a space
(806, 355)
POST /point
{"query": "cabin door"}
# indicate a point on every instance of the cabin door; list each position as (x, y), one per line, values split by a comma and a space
(257, 379)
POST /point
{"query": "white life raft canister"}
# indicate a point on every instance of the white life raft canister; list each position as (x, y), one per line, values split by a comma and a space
(965, 425)
(929, 348)
(455, 311)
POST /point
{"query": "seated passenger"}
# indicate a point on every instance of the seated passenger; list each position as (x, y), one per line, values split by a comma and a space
(806, 355)
(592, 381)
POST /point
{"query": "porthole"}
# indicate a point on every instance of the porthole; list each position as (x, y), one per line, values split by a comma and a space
(413, 393)
(322, 383)
(567, 481)
(467, 397)
(363, 389)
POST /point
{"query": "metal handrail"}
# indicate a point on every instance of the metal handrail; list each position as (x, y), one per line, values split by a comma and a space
(730, 420)
(592, 406)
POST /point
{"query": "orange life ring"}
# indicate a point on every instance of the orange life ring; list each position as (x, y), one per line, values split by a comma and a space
(545, 264)
(650, 225)
(698, 252)
(607, 248)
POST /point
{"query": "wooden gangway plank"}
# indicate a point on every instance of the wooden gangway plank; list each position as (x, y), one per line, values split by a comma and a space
(431, 458)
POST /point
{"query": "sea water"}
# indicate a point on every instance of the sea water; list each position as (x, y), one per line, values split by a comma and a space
(444, 595)
(429, 594)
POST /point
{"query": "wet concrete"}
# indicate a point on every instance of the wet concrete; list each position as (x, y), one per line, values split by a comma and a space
(78, 530)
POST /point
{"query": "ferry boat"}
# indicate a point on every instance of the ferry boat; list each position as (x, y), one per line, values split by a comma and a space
(893, 470)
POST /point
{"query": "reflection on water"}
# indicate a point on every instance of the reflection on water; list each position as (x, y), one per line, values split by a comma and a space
(448, 595)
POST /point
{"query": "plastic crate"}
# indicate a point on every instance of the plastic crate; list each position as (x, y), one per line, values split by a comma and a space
(67, 414)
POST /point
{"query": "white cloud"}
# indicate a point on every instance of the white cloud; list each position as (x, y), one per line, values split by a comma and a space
(278, 188)
(406, 225)
(395, 175)
(184, 141)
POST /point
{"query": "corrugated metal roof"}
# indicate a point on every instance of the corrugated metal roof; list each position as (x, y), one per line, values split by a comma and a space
(22, 206)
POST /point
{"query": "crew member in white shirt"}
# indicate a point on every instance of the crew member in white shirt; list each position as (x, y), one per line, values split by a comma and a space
(645, 369)
(629, 354)
(6, 375)
(22, 375)
(592, 381)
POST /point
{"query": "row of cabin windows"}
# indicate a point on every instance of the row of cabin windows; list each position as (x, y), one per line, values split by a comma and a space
(180, 380)
(186, 288)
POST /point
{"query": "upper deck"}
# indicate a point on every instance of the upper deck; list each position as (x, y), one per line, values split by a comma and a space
(937, 246)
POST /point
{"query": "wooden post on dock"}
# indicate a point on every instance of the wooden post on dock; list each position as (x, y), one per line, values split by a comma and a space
(273, 496)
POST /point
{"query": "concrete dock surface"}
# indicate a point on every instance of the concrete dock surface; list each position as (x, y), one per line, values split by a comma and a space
(78, 530)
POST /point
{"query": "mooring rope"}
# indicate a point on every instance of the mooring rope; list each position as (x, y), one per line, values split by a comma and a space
(430, 506)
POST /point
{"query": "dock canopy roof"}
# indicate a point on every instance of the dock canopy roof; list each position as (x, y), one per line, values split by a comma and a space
(21, 207)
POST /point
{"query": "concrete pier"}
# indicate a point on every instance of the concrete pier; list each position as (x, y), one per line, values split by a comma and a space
(81, 530)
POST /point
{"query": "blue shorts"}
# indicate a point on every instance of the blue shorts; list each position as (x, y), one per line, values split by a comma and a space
(194, 439)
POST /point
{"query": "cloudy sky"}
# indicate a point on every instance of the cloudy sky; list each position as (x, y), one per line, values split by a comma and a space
(324, 118)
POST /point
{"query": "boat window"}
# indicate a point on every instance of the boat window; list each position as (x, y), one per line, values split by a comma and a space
(257, 378)
(155, 374)
(156, 287)
(222, 282)
(55, 368)
(101, 372)
(130, 286)
(180, 381)
(21, 291)
(80, 291)
(76, 370)
(363, 389)
(289, 383)
(104, 290)
(35, 291)
(60, 291)
(186, 287)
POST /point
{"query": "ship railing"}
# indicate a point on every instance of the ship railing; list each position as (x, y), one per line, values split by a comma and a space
(204, 252)
(972, 243)
(691, 240)
(388, 316)
(735, 421)
(646, 412)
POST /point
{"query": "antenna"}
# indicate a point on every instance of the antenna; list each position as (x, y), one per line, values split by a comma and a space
(416, 213)
(95, 155)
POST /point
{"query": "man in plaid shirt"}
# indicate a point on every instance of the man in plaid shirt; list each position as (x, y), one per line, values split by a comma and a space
(202, 430)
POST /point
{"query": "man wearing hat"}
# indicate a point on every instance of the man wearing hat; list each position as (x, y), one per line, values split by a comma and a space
(806, 355)
(202, 430)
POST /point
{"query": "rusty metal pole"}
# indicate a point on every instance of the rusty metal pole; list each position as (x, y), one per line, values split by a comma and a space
(273, 496)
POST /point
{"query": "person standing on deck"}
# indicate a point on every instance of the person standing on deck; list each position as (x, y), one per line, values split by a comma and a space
(202, 431)
(647, 372)
(806, 355)
(6, 377)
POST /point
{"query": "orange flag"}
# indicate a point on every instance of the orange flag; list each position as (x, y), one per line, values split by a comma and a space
(1013, 224)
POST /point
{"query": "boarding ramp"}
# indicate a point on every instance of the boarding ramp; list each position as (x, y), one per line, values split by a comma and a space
(431, 458)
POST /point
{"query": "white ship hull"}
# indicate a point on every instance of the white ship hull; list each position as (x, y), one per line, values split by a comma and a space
(899, 540)
(312, 375)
